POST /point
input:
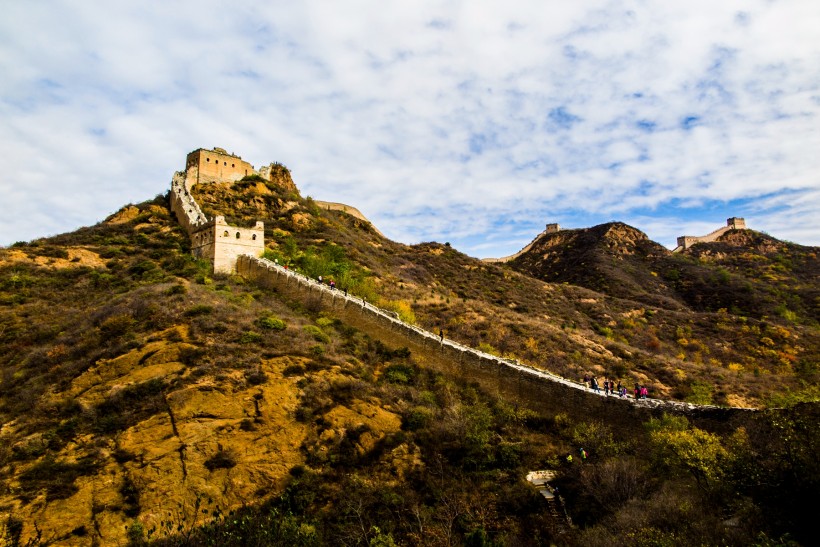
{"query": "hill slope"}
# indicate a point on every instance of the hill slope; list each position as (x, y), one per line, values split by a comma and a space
(139, 390)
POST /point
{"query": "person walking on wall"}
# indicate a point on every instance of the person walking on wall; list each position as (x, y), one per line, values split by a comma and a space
(441, 335)
(644, 392)
(594, 383)
(637, 392)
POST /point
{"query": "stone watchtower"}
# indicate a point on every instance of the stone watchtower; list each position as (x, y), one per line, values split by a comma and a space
(214, 238)
(216, 165)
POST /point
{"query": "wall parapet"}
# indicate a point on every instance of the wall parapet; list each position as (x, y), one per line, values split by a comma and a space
(733, 223)
(185, 206)
(550, 229)
(537, 388)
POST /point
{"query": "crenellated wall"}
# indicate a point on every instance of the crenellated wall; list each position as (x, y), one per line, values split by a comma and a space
(733, 223)
(184, 206)
(518, 383)
(550, 229)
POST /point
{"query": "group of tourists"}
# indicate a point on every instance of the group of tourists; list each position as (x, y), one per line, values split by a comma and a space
(330, 283)
(611, 388)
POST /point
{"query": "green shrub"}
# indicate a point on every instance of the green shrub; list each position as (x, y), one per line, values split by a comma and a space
(176, 289)
(416, 418)
(250, 337)
(271, 322)
(324, 322)
(318, 334)
(399, 373)
(199, 309)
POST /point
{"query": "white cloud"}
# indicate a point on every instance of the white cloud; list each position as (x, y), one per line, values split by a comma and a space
(439, 120)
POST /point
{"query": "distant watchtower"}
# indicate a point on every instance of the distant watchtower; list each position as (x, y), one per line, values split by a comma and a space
(553, 228)
(736, 223)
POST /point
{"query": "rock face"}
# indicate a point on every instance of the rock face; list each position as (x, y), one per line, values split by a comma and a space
(210, 447)
(280, 176)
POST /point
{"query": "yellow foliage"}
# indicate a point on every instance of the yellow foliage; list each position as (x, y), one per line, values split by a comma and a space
(531, 344)
(403, 308)
(735, 367)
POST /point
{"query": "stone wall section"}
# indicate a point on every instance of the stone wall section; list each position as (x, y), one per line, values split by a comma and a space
(518, 383)
(551, 229)
(184, 206)
(350, 210)
(733, 223)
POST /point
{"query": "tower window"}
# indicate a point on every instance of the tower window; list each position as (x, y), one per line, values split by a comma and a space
(225, 234)
(237, 235)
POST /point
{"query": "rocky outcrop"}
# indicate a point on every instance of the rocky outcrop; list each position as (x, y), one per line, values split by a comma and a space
(159, 473)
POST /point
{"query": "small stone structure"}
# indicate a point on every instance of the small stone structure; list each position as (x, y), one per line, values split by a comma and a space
(214, 239)
(733, 223)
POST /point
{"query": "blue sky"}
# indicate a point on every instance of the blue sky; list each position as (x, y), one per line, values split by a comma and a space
(475, 123)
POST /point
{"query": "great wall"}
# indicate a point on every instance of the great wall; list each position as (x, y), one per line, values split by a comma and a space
(519, 383)
(733, 223)
(684, 242)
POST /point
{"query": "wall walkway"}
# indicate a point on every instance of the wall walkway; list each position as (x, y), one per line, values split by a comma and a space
(508, 379)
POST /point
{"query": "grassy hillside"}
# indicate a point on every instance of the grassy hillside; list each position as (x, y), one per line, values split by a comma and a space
(142, 397)
(615, 303)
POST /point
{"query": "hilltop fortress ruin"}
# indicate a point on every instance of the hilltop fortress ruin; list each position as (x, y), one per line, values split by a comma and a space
(213, 238)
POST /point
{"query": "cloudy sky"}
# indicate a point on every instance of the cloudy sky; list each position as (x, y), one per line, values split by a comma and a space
(470, 122)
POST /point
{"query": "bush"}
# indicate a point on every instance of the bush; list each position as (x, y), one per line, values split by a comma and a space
(399, 373)
(256, 377)
(56, 478)
(318, 334)
(223, 459)
(199, 309)
(250, 337)
(271, 322)
(293, 370)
